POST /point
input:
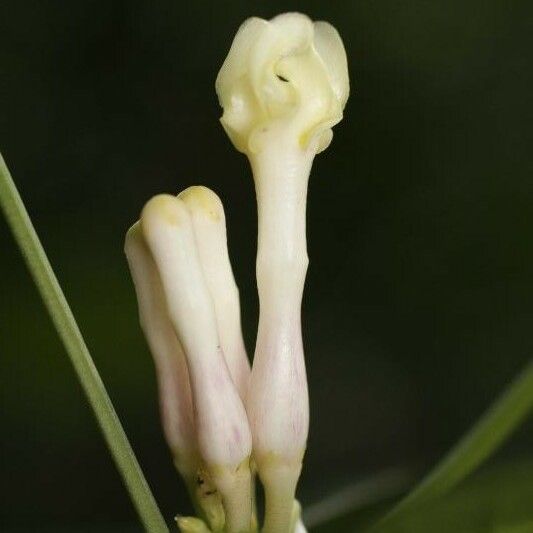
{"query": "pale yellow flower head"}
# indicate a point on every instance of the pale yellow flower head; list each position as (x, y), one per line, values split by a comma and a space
(289, 76)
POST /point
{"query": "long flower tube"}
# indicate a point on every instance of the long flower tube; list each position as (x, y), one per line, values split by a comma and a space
(209, 224)
(223, 434)
(175, 400)
(171, 367)
(282, 87)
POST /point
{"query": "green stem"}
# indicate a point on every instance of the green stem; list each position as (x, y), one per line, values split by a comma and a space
(65, 324)
(497, 424)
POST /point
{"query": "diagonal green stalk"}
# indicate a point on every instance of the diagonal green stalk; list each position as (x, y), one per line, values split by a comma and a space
(65, 324)
(485, 437)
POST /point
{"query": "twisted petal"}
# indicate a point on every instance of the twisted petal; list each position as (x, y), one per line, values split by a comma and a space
(288, 71)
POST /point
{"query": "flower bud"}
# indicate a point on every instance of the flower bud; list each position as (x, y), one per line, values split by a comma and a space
(171, 367)
(190, 524)
(209, 224)
(282, 87)
(173, 378)
(223, 434)
(284, 74)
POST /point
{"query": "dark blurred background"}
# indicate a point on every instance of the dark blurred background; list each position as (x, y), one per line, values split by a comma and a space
(419, 301)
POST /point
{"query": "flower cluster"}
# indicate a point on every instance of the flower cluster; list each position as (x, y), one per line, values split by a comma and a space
(282, 87)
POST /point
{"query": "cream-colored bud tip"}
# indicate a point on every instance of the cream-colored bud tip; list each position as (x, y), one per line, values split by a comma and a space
(288, 71)
(203, 200)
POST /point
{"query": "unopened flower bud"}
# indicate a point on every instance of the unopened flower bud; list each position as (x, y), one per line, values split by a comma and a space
(223, 434)
(284, 74)
(173, 378)
(190, 524)
(282, 87)
(209, 224)
(171, 367)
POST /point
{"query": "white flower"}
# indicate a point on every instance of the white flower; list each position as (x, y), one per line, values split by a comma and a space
(171, 367)
(209, 223)
(285, 73)
(175, 235)
(283, 86)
